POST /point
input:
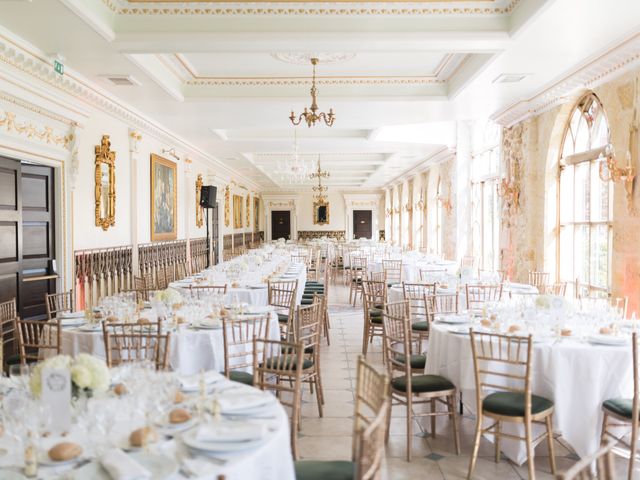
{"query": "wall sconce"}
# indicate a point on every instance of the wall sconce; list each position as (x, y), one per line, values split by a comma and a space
(171, 152)
(419, 205)
(407, 207)
(396, 211)
(610, 171)
(389, 212)
(445, 203)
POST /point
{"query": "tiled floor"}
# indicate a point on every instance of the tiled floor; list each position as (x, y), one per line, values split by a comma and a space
(330, 437)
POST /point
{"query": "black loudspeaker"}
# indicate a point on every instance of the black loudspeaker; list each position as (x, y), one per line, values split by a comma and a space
(208, 196)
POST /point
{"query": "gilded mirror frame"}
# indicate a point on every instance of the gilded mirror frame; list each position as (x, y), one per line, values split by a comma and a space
(104, 156)
(316, 217)
(199, 209)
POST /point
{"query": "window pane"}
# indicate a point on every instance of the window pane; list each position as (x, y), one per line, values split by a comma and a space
(581, 193)
(566, 195)
(581, 253)
(599, 196)
(582, 136)
(599, 256)
(566, 261)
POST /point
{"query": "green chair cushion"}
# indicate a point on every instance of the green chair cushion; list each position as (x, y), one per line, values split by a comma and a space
(13, 359)
(511, 404)
(416, 361)
(422, 383)
(283, 317)
(620, 406)
(306, 301)
(241, 377)
(375, 315)
(327, 470)
(420, 326)
(279, 363)
(312, 282)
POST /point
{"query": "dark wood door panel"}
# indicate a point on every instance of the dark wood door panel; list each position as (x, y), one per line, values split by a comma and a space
(35, 191)
(362, 227)
(280, 224)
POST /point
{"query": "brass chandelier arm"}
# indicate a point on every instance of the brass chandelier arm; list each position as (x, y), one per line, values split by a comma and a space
(310, 115)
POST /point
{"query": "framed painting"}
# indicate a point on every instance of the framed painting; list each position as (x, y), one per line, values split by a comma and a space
(256, 214)
(163, 199)
(237, 211)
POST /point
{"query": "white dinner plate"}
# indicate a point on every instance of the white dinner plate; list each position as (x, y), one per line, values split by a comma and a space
(207, 325)
(193, 381)
(607, 340)
(160, 467)
(72, 322)
(64, 315)
(88, 327)
(223, 446)
(244, 401)
(171, 428)
(453, 319)
(43, 459)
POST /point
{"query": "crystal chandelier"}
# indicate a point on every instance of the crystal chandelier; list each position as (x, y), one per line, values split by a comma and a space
(311, 117)
(296, 169)
(319, 195)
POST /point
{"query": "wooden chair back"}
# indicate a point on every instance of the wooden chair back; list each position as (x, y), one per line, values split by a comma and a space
(358, 266)
(442, 304)
(375, 294)
(605, 468)
(308, 326)
(199, 291)
(398, 309)
(539, 279)
(36, 336)
(468, 261)
(237, 336)
(392, 270)
(501, 363)
(415, 293)
(398, 345)
(8, 315)
(559, 289)
(132, 342)
(370, 443)
(478, 295)
(58, 303)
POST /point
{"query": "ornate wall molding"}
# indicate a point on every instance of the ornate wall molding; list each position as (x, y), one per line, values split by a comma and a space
(26, 128)
(605, 67)
(287, 82)
(354, 8)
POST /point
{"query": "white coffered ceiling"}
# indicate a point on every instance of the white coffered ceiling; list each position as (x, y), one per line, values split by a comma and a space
(226, 75)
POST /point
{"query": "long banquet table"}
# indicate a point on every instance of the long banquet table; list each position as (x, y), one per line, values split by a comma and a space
(578, 376)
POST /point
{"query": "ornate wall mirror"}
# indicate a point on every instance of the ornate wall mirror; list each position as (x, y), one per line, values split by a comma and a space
(321, 213)
(105, 184)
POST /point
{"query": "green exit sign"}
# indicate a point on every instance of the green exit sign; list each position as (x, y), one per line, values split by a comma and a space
(58, 67)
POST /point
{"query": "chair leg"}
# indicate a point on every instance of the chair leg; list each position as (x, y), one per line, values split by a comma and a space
(603, 434)
(476, 446)
(386, 437)
(451, 404)
(552, 454)
(632, 450)
(433, 418)
(530, 455)
(318, 394)
(365, 337)
(409, 427)
(497, 442)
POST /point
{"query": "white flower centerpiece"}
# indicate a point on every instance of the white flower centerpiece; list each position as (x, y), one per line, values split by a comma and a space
(89, 374)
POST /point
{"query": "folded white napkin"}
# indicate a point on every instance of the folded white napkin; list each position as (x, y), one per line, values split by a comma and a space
(230, 431)
(200, 467)
(191, 382)
(122, 467)
(241, 399)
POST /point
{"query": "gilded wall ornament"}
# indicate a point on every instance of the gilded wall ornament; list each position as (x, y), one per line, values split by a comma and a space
(105, 184)
(227, 206)
(199, 209)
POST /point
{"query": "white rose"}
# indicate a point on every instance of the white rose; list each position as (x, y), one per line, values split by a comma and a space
(81, 376)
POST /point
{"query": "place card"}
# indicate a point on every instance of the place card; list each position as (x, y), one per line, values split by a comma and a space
(56, 392)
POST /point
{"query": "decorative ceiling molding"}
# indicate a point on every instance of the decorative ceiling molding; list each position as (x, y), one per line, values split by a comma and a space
(46, 134)
(287, 82)
(350, 8)
(300, 58)
(605, 67)
(37, 66)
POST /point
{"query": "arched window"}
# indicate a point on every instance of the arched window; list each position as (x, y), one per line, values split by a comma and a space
(439, 218)
(584, 210)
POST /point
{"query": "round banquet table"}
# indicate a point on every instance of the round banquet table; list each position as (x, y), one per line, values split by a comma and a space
(576, 375)
(411, 269)
(191, 350)
(270, 460)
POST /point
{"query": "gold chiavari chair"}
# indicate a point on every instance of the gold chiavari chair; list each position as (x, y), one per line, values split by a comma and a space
(139, 283)
(142, 294)
(374, 299)
(312, 288)
(10, 351)
(201, 290)
(559, 289)
(398, 309)
(377, 276)
(468, 261)
(162, 280)
(307, 330)
(411, 389)
(59, 303)
(358, 273)
(369, 426)
(625, 412)
(132, 342)
(478, 295)
(237, 336)
(415, 294)
(427, 275)
(393, 271)
(283, 360)
(484, 274)
(401, 309)
(539, 279)
(35, 337)
(282, 295)
(503, 366)
(169, 274)
(313, 266)
(437, 304)
(583, 470)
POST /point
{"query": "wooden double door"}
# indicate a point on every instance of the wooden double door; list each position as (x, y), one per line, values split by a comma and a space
(362, 227)
(280, 224)
(27, 236)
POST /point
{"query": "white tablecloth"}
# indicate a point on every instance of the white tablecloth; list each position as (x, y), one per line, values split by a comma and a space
(411, 269)
(272, 460)
(576, 375)
(190, 350)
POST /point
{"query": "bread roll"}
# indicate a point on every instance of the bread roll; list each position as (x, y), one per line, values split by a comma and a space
(565, 332)
(65, 451)
(485, 323)
(179, 415)
(143, 321)
(179, 398)
(112, 319)
(514, 328)
(120, 389)
(605, 331)
(143, 435)
(98, 315)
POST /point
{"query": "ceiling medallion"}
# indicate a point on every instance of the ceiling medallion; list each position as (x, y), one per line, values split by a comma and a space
(311, 117)
(302, 58)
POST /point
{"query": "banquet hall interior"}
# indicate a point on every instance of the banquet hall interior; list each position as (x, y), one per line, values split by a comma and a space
(262, 240)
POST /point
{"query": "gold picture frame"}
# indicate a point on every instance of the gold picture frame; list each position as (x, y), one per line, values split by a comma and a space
(256, 214)
(237, 211)
(321, 213)
(105, 186)
(199, 209)
(227, 207)
(248, 210)
(164, 199)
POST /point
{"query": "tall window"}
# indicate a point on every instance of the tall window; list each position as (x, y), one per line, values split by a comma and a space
(439, 218)
(485, 208)
(584, 209)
